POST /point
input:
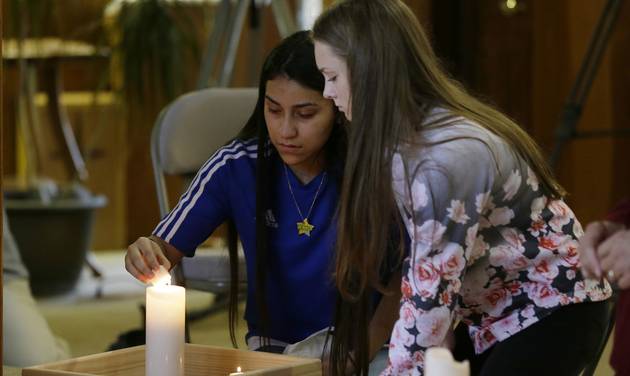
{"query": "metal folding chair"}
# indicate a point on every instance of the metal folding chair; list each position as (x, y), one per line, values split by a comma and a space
(185, 135)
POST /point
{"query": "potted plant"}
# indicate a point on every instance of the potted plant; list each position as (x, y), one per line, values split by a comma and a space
(51, 220)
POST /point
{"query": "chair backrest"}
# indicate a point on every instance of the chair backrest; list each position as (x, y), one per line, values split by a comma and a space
(193, 127)
(185, 135)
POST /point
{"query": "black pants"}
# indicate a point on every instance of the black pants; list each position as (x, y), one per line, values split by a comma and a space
(561, 344)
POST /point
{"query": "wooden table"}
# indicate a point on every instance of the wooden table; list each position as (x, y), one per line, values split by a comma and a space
(198, 360)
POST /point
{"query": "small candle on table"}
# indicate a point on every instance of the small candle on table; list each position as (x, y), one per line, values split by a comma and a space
(438, 361)
(237, 373)
(166, 310)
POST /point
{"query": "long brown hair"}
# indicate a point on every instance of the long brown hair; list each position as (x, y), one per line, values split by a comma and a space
(395, 79)
(294, 59)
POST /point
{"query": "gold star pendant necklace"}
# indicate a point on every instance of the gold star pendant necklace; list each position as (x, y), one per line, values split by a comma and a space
(303, 227)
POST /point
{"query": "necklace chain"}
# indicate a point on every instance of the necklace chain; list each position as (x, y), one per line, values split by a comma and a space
(286, 172)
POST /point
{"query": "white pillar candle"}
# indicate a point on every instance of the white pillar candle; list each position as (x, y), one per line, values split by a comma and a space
(438, 361)
(165, 329)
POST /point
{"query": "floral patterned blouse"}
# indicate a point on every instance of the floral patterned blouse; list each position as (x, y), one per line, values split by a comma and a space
(487, 246)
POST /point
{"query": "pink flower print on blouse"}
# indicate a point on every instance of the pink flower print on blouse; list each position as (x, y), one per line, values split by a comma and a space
(484, 340)
(513, 237)
(512, 185)
(457, 212)
(507, 257)
(562, 215)
(408, 315)
(405, 288)
(446, 297)
(537, 228)
(507, 326)
(419, 195)
(433, 325)
(532, 180)
(401, 361)
(569, 254)
(418, 357)
(451, 261)
(483, 203)
(593, 289)
(536, 208)
(542, 295)
(429, 234)
(501, 216)
(550, 242)
(545, 268)
(417, 198)
(529, 315)
(427, 279)
(496, 298)
(476, 247)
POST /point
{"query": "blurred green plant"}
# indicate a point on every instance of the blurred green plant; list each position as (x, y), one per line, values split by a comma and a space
(155, 43)
(28, 18)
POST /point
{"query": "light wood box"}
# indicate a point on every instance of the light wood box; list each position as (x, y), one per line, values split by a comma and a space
(199, 360)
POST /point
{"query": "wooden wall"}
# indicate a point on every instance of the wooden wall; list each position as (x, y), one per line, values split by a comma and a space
(525, 63)
(597, 170)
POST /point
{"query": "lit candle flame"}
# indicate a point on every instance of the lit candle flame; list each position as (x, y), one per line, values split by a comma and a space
(164, 281)
(161, 278)
(238, 369)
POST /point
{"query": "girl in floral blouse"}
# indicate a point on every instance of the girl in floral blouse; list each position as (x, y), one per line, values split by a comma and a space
(493, 244)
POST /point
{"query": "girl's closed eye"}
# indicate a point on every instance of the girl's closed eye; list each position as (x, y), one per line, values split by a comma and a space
(273, 110)
(306, 115)
(332, 79)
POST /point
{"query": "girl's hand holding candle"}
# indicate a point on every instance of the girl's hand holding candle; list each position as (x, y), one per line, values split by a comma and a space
(161, 277)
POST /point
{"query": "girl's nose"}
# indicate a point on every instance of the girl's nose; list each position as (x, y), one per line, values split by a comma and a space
(329, 92)
(288, 130)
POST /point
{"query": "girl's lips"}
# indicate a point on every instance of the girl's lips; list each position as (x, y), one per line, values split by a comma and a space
(288, 148)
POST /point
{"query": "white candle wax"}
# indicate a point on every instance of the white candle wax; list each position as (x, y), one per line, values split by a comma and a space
(165, 330)
(438, 361)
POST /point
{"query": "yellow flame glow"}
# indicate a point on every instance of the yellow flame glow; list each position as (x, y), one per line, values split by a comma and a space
(164, 280)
